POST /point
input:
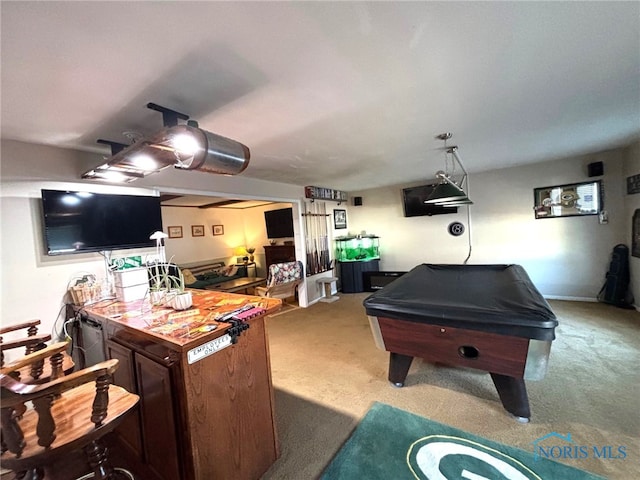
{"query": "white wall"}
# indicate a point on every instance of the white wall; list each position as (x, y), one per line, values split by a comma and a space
(190, 249)
(565, 257)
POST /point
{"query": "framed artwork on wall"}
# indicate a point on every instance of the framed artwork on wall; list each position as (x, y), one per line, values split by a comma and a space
(339, 219)
(218, 229)
(197, 230)
(574, 199)
(174, 232)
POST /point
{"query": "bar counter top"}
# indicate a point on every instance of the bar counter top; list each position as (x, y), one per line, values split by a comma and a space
(178, 328)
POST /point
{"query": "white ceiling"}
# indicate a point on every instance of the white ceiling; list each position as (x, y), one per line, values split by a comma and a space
(342, 95)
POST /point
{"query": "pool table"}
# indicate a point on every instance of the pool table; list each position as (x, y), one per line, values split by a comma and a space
(487, 317)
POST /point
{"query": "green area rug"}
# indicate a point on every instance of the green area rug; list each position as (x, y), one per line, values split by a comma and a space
(392, 444)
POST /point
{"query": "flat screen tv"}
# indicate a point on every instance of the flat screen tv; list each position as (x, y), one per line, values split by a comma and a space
(80, 222)
(413, 201)
(279, 223)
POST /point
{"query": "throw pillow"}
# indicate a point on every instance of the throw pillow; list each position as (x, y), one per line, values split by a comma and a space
(232, 270)
(189, 278)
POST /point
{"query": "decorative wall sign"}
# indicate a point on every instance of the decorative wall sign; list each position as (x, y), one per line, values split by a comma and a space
(569, 200)
(174, 232)
(456, 229)
(218, 230)
(321, 193)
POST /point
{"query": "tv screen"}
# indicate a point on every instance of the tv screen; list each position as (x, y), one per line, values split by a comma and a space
(279, 223)
(79, 222)
(414, 206)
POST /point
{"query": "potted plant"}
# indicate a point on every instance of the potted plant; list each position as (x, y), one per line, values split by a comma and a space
(250, 251)
(159, 283)
(180, 299)
(167, 289)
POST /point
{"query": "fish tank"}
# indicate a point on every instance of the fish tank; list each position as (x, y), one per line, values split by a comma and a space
(360, 248)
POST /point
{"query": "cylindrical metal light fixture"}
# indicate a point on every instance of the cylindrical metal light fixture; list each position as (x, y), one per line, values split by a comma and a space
(214, 153)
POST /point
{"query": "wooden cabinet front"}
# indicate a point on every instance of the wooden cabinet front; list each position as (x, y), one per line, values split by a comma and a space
(279, 254)
(161, 451)
(125, 376)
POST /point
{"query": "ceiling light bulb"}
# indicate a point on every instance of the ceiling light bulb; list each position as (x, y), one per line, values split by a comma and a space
(112, 176)
(185, 143)
(144, 162)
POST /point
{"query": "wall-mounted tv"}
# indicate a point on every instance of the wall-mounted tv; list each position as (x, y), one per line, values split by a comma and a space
(80, 222)
(413, 201)
(279, 223)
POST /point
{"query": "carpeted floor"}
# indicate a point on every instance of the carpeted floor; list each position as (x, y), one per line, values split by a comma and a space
(327, 373)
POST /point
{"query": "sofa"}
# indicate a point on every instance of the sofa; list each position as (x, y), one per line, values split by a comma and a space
(210, 272)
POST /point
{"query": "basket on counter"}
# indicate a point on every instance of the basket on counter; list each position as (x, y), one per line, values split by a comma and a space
(85, 291)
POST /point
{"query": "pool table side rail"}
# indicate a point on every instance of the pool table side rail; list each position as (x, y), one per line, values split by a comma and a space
(503, 354)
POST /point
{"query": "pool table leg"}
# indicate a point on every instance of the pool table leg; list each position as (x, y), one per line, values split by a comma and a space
(513, 394)
(398, 368)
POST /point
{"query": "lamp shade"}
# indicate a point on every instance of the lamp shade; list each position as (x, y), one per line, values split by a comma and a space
(446, 192)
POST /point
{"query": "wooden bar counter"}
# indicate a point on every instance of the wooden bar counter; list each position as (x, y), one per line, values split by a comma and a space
(206, 405)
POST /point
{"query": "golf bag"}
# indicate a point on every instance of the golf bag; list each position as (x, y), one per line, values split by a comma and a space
(616, 286)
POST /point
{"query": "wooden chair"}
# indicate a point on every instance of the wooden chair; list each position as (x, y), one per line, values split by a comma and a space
(86, 408)
(36, 372)
(282, 281)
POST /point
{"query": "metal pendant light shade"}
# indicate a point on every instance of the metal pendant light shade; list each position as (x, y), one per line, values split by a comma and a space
(215, 154)
(450, 191)
(446, 192)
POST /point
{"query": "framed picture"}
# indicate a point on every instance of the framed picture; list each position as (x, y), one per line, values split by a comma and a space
(340, 219)
(574, 199)
(218, 229)
(197, 230)
(174, 232)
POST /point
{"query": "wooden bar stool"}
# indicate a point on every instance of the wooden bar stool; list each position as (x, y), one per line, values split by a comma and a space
(86, 408)
(31, 341)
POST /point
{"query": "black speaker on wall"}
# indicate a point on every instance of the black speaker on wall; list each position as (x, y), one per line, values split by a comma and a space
(595, 169)
(357, 201)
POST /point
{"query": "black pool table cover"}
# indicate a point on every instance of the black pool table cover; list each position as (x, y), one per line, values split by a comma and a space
(491, 298)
